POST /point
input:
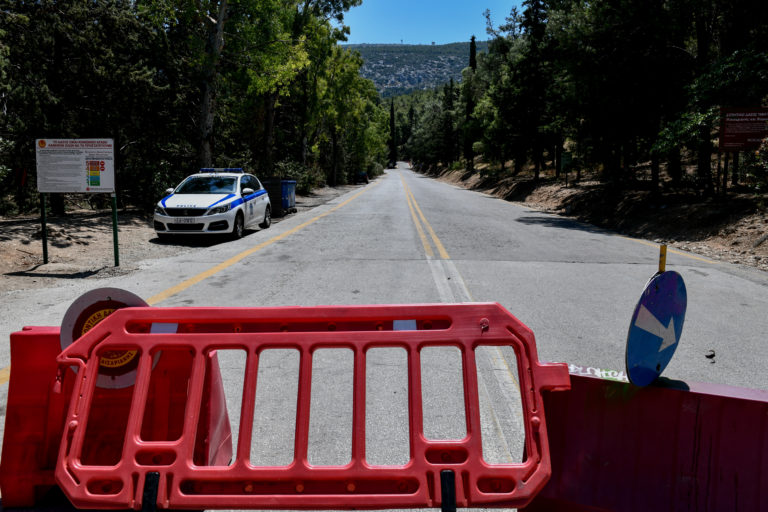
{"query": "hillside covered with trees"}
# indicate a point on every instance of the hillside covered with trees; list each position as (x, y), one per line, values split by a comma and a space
(630, 90)
(259, 84)
(403, 68)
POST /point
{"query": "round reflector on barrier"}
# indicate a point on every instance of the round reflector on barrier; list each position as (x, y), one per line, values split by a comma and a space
(117, 368)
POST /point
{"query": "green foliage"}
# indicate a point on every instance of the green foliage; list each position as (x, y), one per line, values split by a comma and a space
(756, 168)
(621, 83)
(683, 131)
(356, 125)
(306, 178)
(177, 83)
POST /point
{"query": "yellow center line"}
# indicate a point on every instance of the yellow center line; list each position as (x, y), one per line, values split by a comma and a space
(444, 255)
(239, 257)
(409, 195)
(673, 251)
(424, 242)
(438, 244)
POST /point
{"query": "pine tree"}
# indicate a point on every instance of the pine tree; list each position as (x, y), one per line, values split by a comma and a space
(469, 101)
(473, 54)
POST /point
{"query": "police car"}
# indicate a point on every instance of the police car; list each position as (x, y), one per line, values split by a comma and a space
(213, 201)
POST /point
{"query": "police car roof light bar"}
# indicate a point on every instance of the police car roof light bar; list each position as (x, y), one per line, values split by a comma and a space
(221, 169)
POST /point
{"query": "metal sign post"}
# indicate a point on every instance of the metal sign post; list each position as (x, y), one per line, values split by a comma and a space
(43, 206)
(114, 229)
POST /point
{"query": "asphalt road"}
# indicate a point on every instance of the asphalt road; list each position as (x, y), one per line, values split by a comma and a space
(407, 239)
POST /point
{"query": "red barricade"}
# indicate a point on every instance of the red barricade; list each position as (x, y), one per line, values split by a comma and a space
(33, 417)
(168, 469)
(38, 398)
(667, 447)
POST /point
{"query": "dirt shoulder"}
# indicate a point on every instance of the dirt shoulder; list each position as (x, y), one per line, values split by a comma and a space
(732, 229)
(81, 244)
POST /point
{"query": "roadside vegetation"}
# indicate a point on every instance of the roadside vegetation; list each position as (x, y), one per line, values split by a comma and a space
(259, 84)
(622, 93)
(627, 92)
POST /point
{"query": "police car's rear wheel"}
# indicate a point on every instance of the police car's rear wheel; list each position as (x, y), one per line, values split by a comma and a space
(267, 218)
(239, 228)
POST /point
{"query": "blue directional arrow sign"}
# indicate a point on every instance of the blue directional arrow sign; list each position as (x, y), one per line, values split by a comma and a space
(656, 326)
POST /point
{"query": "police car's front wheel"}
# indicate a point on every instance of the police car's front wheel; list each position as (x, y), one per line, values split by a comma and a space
(239, 228)
(267, 218)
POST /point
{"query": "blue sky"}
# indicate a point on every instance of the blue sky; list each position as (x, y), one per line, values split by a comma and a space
(423, 21)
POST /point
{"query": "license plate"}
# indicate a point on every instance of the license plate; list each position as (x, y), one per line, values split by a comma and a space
(185, 220)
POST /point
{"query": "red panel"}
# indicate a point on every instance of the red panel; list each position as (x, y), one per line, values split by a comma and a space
(38, 398)
(681, 447)
(183, 484)
(33, 417)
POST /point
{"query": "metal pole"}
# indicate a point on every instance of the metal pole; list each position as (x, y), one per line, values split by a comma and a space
(45, 229)
(662, 259)
(114, 229)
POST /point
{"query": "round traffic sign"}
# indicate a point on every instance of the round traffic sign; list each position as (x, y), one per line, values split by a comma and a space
(656, 327)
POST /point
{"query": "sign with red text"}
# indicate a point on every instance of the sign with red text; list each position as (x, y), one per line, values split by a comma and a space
(75, 165)
(742, 129)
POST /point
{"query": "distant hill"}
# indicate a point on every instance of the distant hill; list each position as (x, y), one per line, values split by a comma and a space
(402, 68)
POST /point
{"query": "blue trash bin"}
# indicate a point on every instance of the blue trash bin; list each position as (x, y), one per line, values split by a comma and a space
(288, 195)
(282, 195)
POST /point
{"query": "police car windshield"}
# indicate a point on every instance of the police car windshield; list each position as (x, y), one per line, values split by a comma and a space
(208, 185)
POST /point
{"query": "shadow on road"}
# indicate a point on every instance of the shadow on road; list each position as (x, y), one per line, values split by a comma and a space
(58, 275)
(193, 240)
(560, 222)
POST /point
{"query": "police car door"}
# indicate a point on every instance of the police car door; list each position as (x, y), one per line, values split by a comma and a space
(262, 200)
(248, 207)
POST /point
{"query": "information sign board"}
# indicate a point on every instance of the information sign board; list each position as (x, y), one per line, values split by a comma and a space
(75, 165)
(742, 129)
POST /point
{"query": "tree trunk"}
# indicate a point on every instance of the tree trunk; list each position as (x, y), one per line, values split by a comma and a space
(206, 126)
(21, 182)
(208, 105)
(704, 158)
(469, 150)
(269, 135)
(725, 171)
(57, 205)
(703, 21)
(519, 162)
(735, 172)
(626, 161)
(674, 166)
(334, 156)
(303, 111)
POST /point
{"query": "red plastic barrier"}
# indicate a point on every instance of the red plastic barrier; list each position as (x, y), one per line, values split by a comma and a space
(37, 407)
(167, 470)
(33, 417)
(672, 446)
